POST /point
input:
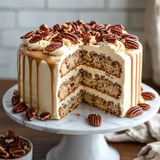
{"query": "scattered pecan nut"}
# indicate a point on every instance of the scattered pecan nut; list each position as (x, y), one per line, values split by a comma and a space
(53, 46)
(16, 93)
(99, 27)
(57, 27)
(144, 106)
(95, 120)
(25, 145)
(46, 35)
(116, 31)
(119, 26)
(56, 39)
(87, 27)
(20, 107)
(86, 37)
(29, 34)
(141, 88)
(74, 27)
(44, 27)
(35, 39)
(134, 111)
(30, 113)
(44, 116)
(17, 152)
(148, 95)
(72, 37)
(15, 99)
(39, 31)
(111, 38)
(130, 36)
(4, 154)
(9, 134)
(131, 44)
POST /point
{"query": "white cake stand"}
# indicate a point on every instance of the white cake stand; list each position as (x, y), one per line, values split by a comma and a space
(82, 141)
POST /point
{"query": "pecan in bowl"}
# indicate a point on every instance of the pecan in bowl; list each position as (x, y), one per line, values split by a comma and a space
(14, 147)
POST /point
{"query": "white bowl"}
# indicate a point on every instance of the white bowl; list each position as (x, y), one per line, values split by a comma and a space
(27, 156)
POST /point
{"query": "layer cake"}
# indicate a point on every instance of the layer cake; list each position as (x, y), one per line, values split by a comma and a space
(59, 67)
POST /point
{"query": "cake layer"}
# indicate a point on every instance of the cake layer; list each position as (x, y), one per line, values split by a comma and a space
(102, 62)
(69, 105)
(101, 84)
(99, 61)
(102, 104)
(69, 86)
(71, 62)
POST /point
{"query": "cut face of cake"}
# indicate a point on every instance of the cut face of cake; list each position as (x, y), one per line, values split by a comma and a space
(60, 67)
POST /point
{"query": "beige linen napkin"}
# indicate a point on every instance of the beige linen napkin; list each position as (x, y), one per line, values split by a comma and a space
(145, 133)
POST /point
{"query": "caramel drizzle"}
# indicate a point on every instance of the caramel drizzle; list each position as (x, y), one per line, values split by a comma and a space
(23, 80)
(39, 56)
(131, 77)
(30, 79)
(38, 107)
(52, 89)
(19, 72)
(140, 74)
(136, 80)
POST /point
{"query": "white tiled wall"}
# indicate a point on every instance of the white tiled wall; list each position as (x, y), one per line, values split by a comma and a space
(20, 16)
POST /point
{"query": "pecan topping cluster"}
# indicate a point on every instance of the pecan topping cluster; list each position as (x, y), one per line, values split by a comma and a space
(30, 113)
(79, 31)
(12, 146)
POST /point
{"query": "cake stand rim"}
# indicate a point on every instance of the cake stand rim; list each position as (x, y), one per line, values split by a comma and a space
(69, 128)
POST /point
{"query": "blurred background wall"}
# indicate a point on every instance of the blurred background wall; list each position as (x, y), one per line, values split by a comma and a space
(20, 16)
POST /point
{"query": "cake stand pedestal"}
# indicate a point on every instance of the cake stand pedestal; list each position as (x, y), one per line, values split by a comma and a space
(82, 141)
(83, 147)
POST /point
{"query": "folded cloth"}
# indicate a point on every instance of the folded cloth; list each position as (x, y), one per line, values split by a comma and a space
(144, 133)
(150, 151)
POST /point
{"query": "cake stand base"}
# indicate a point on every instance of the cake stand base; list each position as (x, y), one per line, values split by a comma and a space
(83, 147)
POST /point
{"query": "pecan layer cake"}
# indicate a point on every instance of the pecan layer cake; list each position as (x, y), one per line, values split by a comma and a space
(62, 66)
